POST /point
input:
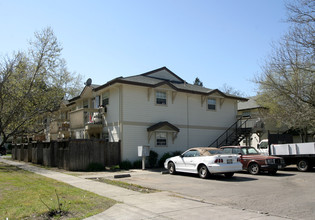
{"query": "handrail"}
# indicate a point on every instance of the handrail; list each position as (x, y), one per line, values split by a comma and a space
(226, 133)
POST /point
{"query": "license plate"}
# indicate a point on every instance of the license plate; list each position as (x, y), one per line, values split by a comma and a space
(229, 161)
(279, 167)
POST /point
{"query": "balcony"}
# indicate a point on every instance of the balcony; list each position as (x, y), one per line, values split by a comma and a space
(86, 118)
(59, 129)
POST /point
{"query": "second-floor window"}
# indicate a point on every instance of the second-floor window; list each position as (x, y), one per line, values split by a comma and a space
(86, 104)
(211, 104)
(161, 98)
(96, 102)
(105, 98)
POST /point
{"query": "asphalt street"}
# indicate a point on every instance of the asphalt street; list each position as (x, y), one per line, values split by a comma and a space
(289, 193)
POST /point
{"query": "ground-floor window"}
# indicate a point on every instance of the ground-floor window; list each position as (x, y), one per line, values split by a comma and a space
(161, 139)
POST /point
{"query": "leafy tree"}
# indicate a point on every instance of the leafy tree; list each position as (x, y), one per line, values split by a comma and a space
(33, 84)
(287, 81)
(198, 82)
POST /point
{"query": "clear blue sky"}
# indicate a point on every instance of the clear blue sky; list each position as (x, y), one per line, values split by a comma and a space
(219, 41)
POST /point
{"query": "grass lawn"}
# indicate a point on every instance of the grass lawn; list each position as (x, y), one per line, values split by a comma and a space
(25, 195)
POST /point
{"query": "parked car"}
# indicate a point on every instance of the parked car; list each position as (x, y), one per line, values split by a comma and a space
(204, 161)
(253, 161)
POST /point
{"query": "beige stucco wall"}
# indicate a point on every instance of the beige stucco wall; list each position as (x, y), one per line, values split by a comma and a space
(132, 109)
(198, 126)
(111, 118)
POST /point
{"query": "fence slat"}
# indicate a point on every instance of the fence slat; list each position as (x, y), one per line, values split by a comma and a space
(71, 155)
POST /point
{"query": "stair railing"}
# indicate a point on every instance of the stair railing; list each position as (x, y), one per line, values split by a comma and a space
(232, 130)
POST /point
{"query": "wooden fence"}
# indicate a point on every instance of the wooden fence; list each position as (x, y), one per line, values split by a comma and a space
(71, 155)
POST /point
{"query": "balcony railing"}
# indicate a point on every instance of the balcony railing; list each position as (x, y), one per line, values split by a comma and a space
(80, 118)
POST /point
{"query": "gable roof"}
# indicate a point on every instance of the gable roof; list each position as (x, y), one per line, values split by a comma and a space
(161, 124)
(249, 104)
(92, 86)
(163, 76)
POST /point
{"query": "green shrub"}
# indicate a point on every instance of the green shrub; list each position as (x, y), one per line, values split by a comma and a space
(153, 158)
(95, 167)
(137, 164)
(176, 153)
(168, 155)
(163, 158)
(125, 165)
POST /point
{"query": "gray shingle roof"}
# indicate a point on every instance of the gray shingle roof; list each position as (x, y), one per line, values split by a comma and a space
(250, 104)
(148, 79)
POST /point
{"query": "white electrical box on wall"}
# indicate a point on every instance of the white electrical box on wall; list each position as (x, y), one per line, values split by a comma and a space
(143, 151)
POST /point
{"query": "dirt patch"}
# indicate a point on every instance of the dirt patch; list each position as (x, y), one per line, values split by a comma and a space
(125, 185)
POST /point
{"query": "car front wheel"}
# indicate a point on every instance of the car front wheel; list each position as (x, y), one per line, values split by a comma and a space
(253, 168)
(203, 172)
(171, 168)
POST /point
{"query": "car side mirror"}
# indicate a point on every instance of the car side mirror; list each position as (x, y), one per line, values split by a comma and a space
(258, 146)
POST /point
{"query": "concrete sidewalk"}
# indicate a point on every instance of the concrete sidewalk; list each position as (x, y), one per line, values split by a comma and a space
(136, 205)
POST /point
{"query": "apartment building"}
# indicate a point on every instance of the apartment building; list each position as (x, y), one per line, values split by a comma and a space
(157, 108)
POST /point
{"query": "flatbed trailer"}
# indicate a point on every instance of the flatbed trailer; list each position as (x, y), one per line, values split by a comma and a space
(301, 154)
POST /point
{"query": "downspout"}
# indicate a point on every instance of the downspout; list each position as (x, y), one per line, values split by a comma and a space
(120, 121)
(187, 123)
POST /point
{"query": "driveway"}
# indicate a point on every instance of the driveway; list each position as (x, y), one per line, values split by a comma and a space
(288, 194)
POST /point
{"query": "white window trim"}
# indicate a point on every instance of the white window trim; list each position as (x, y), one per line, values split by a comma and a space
(216, 104)
(166, 97)
(156, 135)
(105, 95)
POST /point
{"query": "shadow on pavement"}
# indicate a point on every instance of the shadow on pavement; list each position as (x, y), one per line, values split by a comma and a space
(294, 169)
(219, 177)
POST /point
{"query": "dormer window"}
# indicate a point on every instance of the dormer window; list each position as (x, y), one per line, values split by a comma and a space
(161, 98)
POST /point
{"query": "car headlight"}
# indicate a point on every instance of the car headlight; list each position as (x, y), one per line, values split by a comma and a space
(270, 161)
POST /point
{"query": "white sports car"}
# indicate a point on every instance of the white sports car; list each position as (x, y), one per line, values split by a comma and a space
(204, 161)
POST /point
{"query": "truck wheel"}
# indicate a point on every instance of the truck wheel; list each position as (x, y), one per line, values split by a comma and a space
(253, 168)
(303, 165)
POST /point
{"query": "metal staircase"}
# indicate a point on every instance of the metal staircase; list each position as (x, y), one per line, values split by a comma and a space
(234, 134)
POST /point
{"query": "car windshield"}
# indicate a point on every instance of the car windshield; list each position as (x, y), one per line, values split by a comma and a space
(263, 145)
(215, 151)
(249, 150)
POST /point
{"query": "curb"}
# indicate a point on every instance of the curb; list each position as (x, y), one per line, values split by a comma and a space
(121, 176)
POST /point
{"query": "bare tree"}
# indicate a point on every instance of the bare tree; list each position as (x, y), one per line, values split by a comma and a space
(33, 84)
(230, 90)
